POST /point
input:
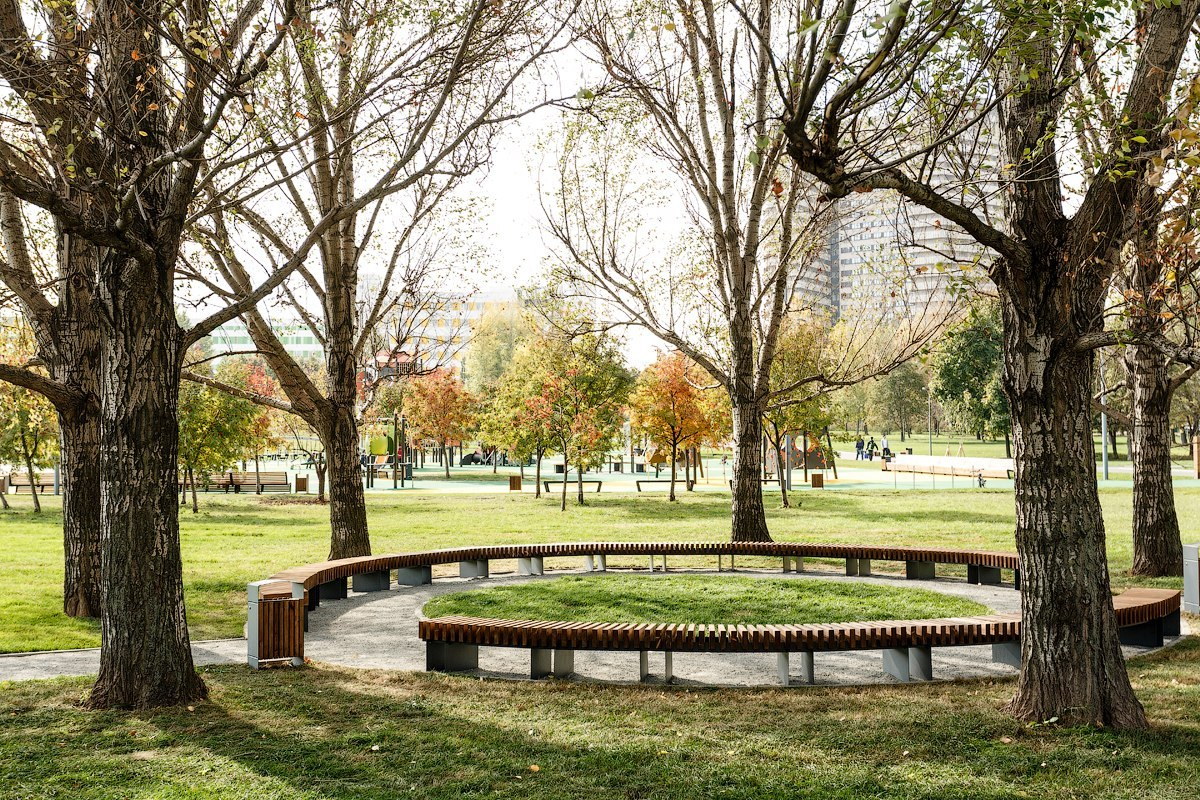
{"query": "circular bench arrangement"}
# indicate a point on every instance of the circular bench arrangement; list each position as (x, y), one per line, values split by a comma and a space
(278, 609)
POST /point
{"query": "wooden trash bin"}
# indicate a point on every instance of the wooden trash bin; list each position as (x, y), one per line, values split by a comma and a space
(301, 484)
(514, 483)
(818, 480)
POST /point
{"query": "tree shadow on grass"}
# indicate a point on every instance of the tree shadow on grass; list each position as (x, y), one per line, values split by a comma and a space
(311, 734)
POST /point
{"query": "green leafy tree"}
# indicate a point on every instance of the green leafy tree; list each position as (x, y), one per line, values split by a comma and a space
(215, 431)
(582, 401)
(28, 433)
(507, 419)
(799, 356)
(495, 340)
(898, 398)
(967, 372)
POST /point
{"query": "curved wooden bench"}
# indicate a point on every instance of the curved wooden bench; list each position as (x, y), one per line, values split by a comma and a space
(452, 643)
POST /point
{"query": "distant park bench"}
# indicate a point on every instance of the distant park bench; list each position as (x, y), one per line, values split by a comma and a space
(20, 480)
(547, 484)
(690, 484)
(267, 480)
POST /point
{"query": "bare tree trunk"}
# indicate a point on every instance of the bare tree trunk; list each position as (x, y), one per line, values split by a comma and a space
(320, 468)
(192, 480)
(566, 468)
(578, 477)
(749, 516)
(257, 475)
(33, 476)
(1157, 546)
(537, 475)
(674, 458)
(146, 657)
(79, 444)
(347, 503)
(1073, 669)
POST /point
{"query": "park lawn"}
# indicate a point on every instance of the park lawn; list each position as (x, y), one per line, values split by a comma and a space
(236, 539)
(702, 599)
(325, 733)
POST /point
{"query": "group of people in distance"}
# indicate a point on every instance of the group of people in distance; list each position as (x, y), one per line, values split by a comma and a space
(866, 452)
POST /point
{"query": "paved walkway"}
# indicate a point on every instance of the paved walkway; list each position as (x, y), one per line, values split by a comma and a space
(379, 630)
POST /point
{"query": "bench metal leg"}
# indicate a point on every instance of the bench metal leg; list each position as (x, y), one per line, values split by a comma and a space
(664, 563)
(601, 563)
(589, 564)
(314, 597)
(539, 662)
(1007, 653)
(920, 570)
(1148, 634)
(564, 663)
(668, 666)
(414, 576)
(451, 657)
(1017, 579)
(334, 589)
(793, 564)
(530, 566)
(473, 569)
(373, 581)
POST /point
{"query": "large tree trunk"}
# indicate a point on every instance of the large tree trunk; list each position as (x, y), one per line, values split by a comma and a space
(1072, 669)
(749, 516)
(1157, 546)
(146, 656)
(347, 503)
(79, 444)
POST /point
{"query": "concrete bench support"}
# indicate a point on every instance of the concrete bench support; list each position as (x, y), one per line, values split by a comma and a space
(451, 657)
(858, 566)
(784, 667)
(793, 564)
(1171, 624)
(988, 576)
(373, 581)
(644, 666)
(564, 663)
(732, 563)
(909, 663)
(414, 576)
(540, 664)
(1148, 634)
(534, 565)
(473, 569)
(664, 562)
(334, 589)
(595, 563)
(1007, 653)
(920, 570)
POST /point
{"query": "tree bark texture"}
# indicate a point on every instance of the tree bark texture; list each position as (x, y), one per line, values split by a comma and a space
(1157, 546)
(1073, 669)
(347, 503)
(79, 446)
(749, 515)
(146, 658)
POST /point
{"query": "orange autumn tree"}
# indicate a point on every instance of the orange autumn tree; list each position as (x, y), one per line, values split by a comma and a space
(440, 409)
(669, 407)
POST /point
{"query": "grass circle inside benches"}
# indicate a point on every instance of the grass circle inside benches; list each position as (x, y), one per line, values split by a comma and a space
(700, 599)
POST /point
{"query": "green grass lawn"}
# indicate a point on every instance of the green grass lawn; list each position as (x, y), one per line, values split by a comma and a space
(700, 599)
(332, 734)
(237, 539)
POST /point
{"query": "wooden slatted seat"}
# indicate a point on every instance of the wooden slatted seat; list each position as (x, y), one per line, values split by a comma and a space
(267, 480)
(1144, 616)
(329, 580)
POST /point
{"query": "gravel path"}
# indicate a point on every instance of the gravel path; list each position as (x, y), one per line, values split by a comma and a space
(378, 630)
